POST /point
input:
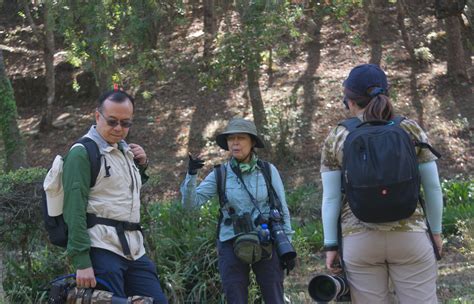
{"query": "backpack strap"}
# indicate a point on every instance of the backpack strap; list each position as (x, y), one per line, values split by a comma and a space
(220, 173)
(120, 227)
(430, 233)
(275, 201)
(351, 123)
(398, 119)
(94, 156)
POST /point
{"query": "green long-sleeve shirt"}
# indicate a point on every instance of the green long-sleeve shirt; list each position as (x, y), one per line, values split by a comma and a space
(76, 184)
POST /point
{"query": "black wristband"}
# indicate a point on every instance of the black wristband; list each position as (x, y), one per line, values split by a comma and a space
(143, 166)
(331, 248)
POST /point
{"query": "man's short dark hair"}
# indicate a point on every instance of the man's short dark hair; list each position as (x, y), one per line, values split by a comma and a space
(118, 96)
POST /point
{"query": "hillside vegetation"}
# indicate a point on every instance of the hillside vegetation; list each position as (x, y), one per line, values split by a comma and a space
(192, 67)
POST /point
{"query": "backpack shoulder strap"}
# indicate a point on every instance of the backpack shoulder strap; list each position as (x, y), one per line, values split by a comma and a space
(351, 123)
(94, 156)
(398, 120)
(220, 173)
(267, 175)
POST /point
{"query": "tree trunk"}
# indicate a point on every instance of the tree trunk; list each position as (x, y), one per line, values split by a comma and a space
(456, 58)
(49, 65)
(2, 277)
(313, 27)
(210, 27)
(15, 154)
(467, 31)
(10, 8)
(256, 100)
(416, 100)
(375, 12)
(195, 8)
(46, 40)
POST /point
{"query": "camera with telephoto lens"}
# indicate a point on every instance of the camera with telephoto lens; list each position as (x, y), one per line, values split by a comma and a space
(285, 250)
(64, 291)
(326, 288)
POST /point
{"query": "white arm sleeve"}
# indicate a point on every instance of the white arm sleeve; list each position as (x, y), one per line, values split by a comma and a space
(433, 195)
(331, 206)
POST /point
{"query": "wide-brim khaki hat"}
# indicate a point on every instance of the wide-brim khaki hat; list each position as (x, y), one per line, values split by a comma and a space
(239, 125)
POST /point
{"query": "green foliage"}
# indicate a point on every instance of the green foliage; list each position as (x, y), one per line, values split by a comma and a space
(263, 25)
(423, 54)
(98, 34)
(31, 261)
(283, 119)
(458, 204)
(182, 243)
(8, 115)
(19, 199)
(89, 40)
(304, 204)
(308, 238)
(27, 274)
(13, 179)
(305, 201)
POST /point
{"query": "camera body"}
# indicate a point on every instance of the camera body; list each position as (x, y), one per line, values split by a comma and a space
(59, 290)
(326, 288)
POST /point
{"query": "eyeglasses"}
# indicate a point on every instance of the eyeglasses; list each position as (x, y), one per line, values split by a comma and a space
(346, 102)
(112, 122)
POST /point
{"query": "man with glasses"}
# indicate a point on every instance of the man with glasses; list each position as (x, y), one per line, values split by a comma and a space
(103, 219)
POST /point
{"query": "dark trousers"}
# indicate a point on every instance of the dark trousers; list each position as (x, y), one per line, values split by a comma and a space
(235, 276)
(127, 278)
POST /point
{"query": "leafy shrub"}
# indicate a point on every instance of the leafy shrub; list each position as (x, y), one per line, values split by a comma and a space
(182, 243)
(424, 55)
(28, 273)
(458, 203)
(31, 262)
(308, 237)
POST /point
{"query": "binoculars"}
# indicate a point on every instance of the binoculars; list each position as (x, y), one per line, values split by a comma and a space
(326, 288)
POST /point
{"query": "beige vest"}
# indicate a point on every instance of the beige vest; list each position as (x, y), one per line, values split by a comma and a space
(116, 197)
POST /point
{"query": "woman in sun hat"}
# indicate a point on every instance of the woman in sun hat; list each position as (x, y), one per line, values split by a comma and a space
(374, 253)
(243, 186)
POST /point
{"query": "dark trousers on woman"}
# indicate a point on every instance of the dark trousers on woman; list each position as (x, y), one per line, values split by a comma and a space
(235, 276)
(127, 278)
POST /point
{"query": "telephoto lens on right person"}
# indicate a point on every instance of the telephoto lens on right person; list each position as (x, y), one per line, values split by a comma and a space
(326, 288)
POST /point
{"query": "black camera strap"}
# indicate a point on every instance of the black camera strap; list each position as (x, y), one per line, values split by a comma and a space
(339, 240)
(430, 233)
(237, 172)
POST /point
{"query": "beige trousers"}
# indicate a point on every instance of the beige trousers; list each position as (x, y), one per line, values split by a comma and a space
(406, 258)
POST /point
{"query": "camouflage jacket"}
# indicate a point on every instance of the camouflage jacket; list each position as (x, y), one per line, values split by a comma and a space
(331, 160)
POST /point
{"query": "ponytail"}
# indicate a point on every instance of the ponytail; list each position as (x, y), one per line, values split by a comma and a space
(379, 108)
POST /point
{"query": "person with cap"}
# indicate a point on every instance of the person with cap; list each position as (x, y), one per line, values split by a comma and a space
(104, 234)
(374, 253)
(244, 187)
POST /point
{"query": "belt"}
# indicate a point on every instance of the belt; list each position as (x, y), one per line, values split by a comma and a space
(120, 227)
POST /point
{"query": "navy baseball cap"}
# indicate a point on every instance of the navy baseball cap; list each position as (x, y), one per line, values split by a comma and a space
(364, 77)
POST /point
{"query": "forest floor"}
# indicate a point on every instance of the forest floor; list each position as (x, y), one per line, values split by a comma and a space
(180, 116)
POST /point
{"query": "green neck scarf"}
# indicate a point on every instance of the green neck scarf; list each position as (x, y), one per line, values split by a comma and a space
(246, 167)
